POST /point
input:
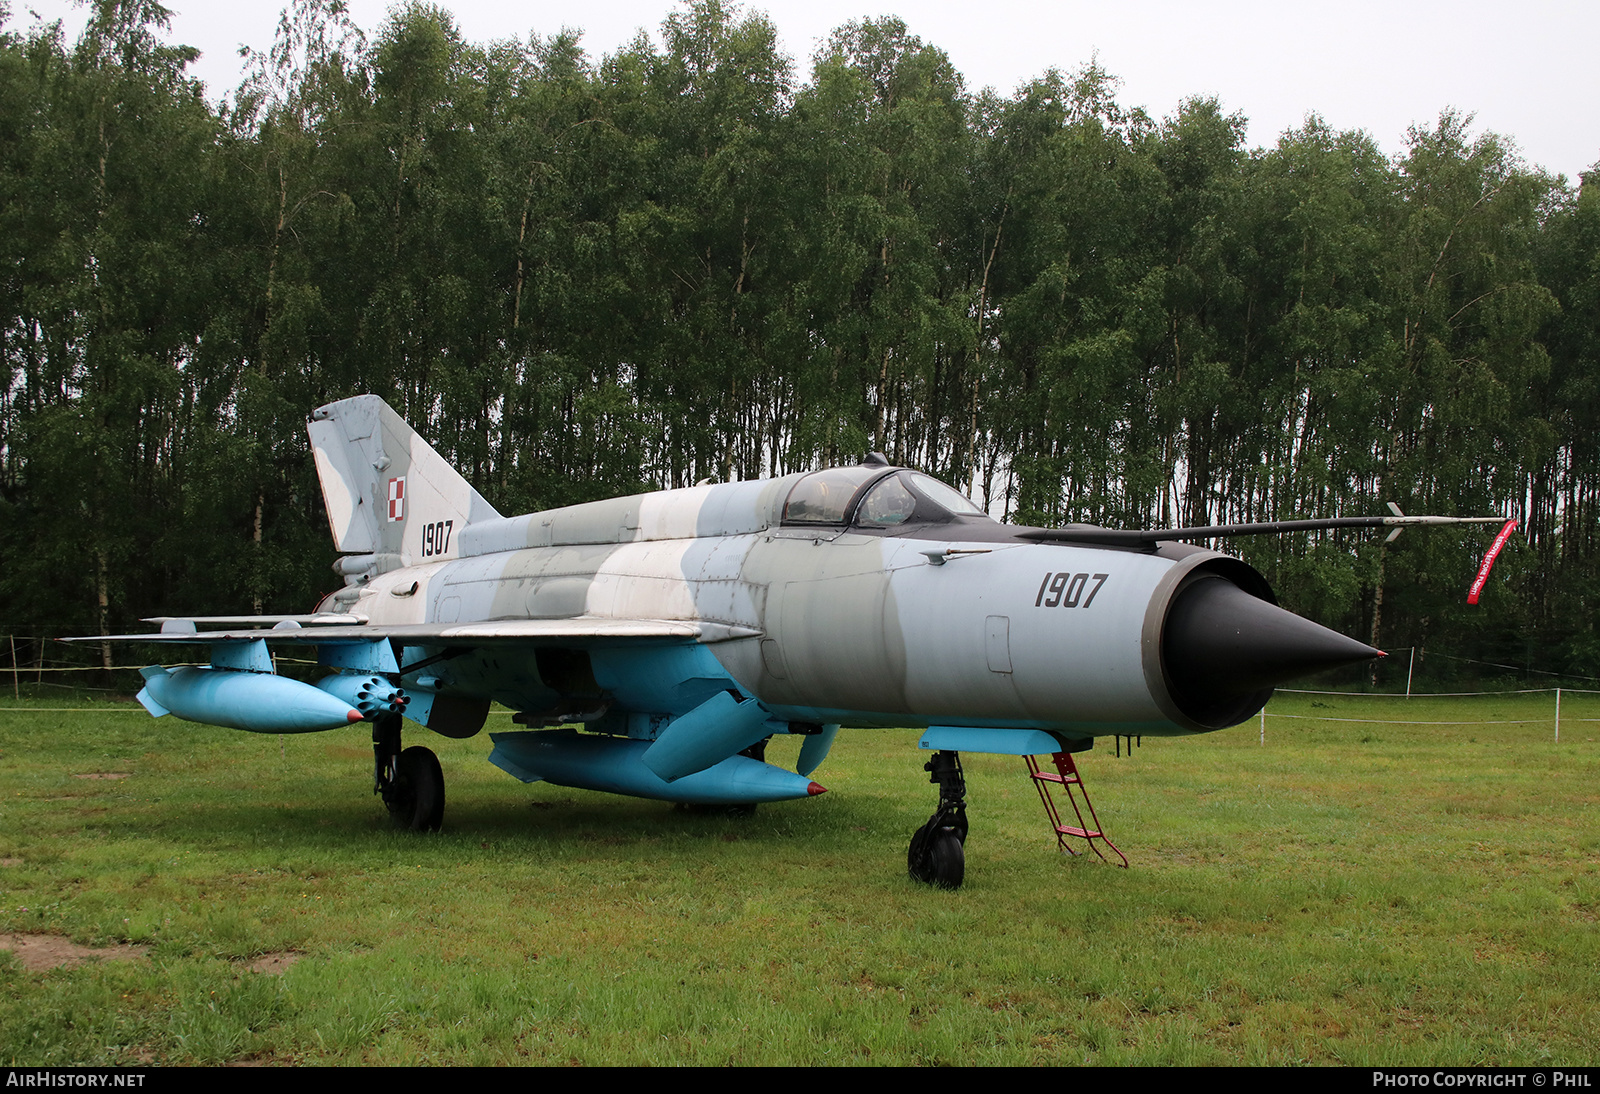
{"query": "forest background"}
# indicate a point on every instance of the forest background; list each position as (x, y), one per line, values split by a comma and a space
(582, 278)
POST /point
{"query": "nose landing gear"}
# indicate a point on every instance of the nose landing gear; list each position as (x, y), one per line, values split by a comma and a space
(937, 855)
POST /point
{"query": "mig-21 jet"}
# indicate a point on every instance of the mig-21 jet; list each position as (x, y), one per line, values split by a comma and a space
(682, 629)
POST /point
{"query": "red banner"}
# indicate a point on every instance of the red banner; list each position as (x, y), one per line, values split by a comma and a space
(1488, 560)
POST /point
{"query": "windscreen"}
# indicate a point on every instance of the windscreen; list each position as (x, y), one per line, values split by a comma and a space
(946, 496)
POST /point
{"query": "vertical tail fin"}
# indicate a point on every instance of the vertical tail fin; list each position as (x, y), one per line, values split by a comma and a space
(388, 493)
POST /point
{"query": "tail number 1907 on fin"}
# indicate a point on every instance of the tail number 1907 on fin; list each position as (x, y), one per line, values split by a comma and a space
(436, 538)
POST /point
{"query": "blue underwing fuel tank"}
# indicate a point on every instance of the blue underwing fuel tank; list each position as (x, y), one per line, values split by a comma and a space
(617, 765)
(259, 702)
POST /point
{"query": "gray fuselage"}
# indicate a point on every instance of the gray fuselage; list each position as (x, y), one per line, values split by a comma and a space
(948, 620)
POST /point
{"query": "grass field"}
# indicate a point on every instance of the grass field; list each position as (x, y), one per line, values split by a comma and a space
(1349, 892)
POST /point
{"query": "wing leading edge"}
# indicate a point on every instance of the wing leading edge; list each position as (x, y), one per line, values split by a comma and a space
(500, 632)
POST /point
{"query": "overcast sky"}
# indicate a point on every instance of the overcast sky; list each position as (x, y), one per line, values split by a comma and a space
(1527, 71)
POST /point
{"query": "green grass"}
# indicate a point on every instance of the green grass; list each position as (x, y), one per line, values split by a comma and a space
(1349, 893)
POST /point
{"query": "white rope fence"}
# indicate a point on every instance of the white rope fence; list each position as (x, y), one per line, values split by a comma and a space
(1435, 695)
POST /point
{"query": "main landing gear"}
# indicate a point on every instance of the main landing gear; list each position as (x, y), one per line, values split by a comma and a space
(411, 782)
(936, 855)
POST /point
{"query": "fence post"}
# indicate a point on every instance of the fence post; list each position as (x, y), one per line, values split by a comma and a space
(1558, 715)
(16, 686)
(1410, 670)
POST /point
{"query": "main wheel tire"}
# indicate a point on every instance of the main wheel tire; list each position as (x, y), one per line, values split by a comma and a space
(947, 861)
(416, 800)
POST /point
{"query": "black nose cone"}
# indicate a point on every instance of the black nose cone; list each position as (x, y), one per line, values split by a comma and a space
(1224, 650)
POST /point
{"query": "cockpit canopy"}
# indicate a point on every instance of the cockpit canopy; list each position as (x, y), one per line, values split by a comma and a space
(874, 497)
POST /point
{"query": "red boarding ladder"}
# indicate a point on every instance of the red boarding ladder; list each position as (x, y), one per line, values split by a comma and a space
(1066, 776)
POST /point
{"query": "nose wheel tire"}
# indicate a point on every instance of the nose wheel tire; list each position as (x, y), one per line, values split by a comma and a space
(938, 859)
(415, 799)
(948, 862)
(936, 855)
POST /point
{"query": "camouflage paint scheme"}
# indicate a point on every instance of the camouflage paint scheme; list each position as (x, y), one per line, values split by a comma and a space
(677, 595)
(685, 627)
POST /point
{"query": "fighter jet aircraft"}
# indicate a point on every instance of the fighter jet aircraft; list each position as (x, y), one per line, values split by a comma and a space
(682, 629)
